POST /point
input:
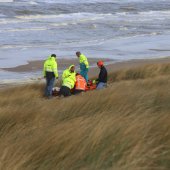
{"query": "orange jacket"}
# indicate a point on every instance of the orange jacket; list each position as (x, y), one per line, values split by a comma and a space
(80, 83)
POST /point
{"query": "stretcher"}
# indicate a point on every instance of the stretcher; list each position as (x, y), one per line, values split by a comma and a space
(90, 86)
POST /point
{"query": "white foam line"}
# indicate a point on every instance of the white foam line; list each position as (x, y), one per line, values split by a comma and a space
(85, 17)
(25, 46)
(33, 3)
(11, 21)
(24, 29)
(6, 1)
(31, 17)
(65, 16)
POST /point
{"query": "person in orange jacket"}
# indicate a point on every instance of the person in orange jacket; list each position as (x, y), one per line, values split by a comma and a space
(80, 84)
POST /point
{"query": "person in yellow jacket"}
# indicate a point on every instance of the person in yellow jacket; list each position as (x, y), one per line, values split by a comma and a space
(50, 73)
(68, 81)
(84, 65)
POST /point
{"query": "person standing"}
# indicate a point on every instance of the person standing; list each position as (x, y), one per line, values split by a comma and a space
(84, 65)
(102, 78)
(68, 81)
(50, 73)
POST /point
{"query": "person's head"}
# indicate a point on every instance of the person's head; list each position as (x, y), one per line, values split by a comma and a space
(78, 53)
(100, 63)
(77, 74)
(72, 69)
(53, 55)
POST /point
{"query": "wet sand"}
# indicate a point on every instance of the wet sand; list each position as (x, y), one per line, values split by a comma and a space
(62, 64)
(93, 71)
(112, 65)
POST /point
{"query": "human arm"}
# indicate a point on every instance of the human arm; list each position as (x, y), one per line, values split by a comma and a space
(103, 75)
(55, 70)
(44, 70)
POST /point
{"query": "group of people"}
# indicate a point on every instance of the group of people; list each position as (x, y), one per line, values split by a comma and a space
(72, 82)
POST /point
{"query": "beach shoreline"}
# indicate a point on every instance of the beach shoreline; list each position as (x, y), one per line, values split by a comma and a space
(37, 65)
(111, 66)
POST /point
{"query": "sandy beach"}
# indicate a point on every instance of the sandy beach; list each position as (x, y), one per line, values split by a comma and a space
(111, 64)
(93, 72)
(33, 66)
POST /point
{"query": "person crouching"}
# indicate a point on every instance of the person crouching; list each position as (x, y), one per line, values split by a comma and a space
(80, 84)
(102, 79)
(68, 81)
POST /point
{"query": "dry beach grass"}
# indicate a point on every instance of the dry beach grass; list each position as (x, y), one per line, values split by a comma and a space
(123, 127)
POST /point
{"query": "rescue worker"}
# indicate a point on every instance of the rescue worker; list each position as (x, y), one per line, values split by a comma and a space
(80, 84)
(50, 73)
(102, 79)
(84, 65)
(68, 81)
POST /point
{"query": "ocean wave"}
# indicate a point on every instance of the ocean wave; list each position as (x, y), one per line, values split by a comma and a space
(33, 3)
(155, 13)
(68, 1)
(64, 16)
(25, 46)
(77, 43)
(11, 21)
(2, 15)
(84, 1)
(6, 1)
(95, 15)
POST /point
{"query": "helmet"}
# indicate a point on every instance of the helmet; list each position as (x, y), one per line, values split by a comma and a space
(100, 63)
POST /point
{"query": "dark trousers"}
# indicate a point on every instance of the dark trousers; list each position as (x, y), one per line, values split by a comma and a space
(77, 91)
(49, 86)
(65, 91)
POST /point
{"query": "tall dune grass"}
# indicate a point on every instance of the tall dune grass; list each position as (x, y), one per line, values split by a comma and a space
(123, 127)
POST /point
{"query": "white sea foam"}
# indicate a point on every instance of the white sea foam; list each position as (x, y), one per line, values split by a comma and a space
(6, 1)
(11, 21)
(86, 1)
(75, 1)
(64, 16)
(24, 47)
(149, 15)
(35, 17)
(33, 3)
(2, 15)
(24, 29)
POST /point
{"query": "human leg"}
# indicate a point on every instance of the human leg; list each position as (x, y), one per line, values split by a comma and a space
(101, 85)
(49, 86)
(77, 91)
(84, 73)
(65, 91)
(46, 93)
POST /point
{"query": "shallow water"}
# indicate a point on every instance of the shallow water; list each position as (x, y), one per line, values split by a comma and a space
(121, 30)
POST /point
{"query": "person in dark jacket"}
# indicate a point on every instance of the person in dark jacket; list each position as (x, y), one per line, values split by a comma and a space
(102, 79)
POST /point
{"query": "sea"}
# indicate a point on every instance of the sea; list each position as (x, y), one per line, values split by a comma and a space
(117, 29)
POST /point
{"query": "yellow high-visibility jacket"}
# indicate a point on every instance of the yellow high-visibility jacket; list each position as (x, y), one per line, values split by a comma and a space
(50, 66)
(68, 78)
(83, 60)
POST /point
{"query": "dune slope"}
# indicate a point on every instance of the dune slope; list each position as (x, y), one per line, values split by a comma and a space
(123, 127)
